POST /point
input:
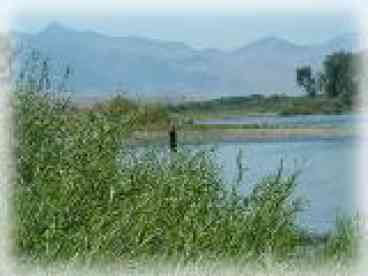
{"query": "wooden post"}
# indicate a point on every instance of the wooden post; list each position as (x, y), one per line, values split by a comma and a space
(173, 138)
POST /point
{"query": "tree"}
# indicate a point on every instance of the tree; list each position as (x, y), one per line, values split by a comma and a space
(340, 74)
(306, 80)
(338, 80)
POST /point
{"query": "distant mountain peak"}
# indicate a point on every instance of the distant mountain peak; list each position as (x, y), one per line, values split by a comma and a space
(274, 41)
(154, 67)
(55, 27)
(269, 43)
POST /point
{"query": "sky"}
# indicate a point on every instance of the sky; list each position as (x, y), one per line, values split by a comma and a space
(221, 24)
(150, 6)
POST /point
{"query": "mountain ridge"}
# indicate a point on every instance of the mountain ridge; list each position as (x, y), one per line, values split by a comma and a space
(153, 67)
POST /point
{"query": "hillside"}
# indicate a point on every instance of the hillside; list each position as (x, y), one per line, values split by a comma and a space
(104, 64)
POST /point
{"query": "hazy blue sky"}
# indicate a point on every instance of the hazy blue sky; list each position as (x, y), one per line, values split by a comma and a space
(202, 30)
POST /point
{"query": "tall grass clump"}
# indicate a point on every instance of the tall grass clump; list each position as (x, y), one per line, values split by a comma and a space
(145, 115)
(188, 211)
(66, 165)
(81, 194)
(342, 244)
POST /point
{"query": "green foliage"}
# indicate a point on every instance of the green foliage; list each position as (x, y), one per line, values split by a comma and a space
(343, 243)
(231, 106)
(340, 75)
(306, 80)
(116, 105)
(316, 105)
(339, 78)
(81, 194)
(276, 104)
(63, 162)
(144, 116)
(152, 116)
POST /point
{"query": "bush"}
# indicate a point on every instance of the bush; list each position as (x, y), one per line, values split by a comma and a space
(81, 193)
(117, 105)
(66, 164)
(143, 116)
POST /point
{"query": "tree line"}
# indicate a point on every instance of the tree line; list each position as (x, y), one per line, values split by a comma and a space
(338, 79)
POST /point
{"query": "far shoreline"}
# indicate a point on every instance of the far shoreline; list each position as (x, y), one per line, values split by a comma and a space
(192, 136)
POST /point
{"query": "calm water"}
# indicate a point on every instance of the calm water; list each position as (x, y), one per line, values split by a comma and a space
(291, 121)
(328, 167)
(327, 179)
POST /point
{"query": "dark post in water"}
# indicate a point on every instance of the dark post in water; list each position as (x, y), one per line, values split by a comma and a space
(173, 138)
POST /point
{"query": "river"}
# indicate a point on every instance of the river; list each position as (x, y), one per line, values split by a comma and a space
(327, 167)
(326, 179)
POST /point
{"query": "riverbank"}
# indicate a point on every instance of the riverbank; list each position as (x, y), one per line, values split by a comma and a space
(259, 105)
(216, 134)
(156, 115)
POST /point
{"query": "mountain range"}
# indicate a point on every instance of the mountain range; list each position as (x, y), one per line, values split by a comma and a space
(103, 64)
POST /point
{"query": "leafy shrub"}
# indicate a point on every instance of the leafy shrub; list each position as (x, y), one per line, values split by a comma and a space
(143, 115)
(81, 194)
(63, 161)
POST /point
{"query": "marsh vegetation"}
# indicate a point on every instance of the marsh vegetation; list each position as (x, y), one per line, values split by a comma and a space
(81, 194)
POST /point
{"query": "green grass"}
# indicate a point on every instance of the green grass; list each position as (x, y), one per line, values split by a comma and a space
(82, 194)
(157, 116)
(343, 242)
(257, 104)
(143, 115)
